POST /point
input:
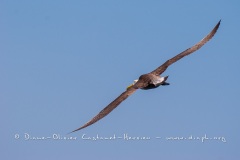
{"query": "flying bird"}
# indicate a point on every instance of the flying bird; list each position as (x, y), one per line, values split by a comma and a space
(150, 80)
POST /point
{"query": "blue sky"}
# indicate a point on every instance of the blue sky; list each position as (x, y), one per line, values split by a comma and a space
(61, 62)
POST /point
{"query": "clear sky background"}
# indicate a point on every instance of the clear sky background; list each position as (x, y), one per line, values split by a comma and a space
(61, 62)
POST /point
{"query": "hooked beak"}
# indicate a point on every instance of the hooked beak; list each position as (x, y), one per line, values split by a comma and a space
(135, 81)
(129, 86)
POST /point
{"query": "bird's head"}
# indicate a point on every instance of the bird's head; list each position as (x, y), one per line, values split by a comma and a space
(135, 81)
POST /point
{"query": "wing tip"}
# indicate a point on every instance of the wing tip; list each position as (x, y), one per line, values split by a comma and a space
(77, 129)
(217, 26)
(219, 22)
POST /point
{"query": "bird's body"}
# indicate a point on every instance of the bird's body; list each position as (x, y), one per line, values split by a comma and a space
(149, 81)
(152, 81)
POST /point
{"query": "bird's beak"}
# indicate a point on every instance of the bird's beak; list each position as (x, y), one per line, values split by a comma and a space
(129, 86)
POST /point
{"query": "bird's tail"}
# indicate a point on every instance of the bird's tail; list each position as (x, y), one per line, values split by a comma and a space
(164, 83)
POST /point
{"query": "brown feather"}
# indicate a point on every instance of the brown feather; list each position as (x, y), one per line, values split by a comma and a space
(109, 108)
(188, 51)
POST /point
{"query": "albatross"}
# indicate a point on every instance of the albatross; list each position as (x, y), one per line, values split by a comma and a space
(150, 80)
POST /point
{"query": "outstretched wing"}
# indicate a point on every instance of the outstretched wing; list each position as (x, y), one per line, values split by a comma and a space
(109, 108)
(188, 51)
